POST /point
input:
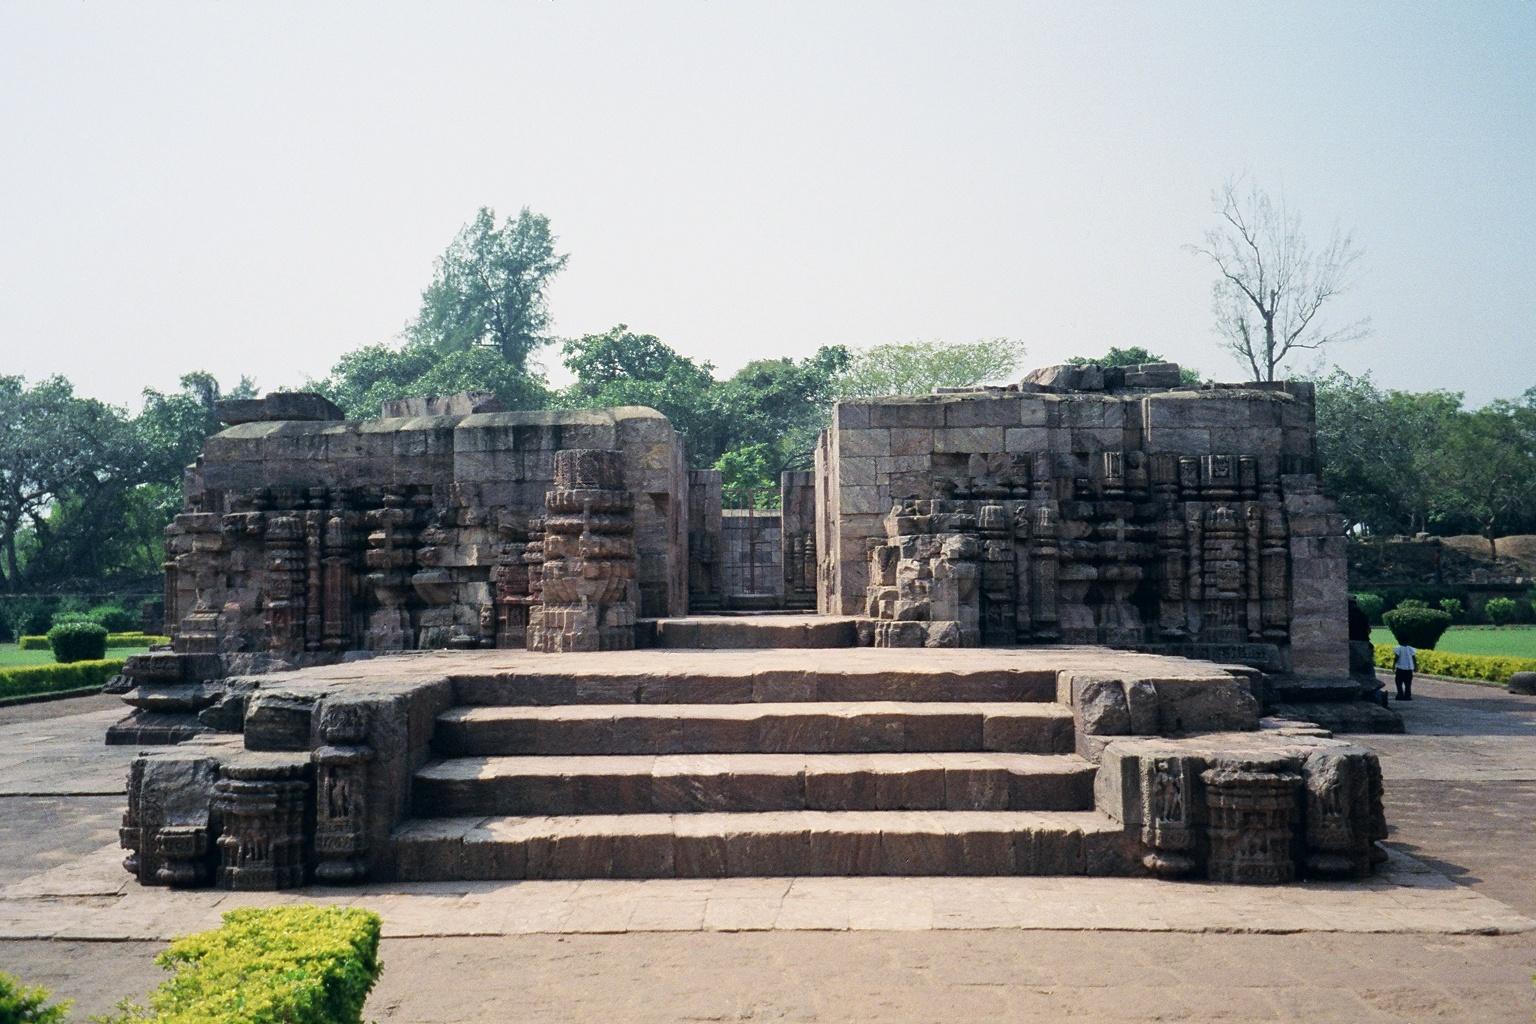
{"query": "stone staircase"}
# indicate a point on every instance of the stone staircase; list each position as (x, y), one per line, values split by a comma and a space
(847, 771)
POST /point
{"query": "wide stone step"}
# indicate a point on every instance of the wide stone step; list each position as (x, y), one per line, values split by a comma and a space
(684, 783)
(745, 632)
(732, 678)
(826, 727)
(713, 845)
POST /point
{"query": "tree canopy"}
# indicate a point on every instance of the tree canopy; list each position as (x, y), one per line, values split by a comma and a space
(488, 288)
(916, 368)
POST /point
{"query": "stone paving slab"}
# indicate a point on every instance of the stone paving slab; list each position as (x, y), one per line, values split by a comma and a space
(63, 756)
(90, 901)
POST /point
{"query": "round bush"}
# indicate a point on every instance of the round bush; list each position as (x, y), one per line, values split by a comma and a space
(1417, 627)
(1373, 605)
(1412, 603)
(116, 618)
(78, 641)
(1452, 607)
(1501, 610)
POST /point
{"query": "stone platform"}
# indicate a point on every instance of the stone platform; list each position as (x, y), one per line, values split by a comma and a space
(664, 763)
(752, 631)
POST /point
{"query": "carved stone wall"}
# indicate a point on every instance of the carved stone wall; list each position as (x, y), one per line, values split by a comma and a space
(705, 558)
(797, 523)
(1114, 510)
(1253, 808)
(306, 539)
(587, 578)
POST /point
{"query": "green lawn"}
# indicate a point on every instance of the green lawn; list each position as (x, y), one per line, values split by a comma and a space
(1510, 641)
(12, 656)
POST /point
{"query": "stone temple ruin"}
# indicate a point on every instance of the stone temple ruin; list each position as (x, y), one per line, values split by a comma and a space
(457, 642)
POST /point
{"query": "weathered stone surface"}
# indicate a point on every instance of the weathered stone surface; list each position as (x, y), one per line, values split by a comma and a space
(279, 405)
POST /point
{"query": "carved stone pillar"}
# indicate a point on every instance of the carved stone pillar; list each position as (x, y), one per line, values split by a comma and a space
(1251, 806)
(1044, 563)
(314, 571)
(1173, 621)
(262, 802)
(1274, 570)
(998, 602)
(284, 583)
(589, 593)
(390, 556)
(1167, 815)
(533, 557)
(167, 826)
(337, 583)
(1338, 815)
(341, 786)
(183, 855)
(1222, 590)
(509, 578)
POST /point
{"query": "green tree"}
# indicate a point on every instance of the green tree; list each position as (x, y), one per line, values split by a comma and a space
(488, 288)
(916, 368)
(1488, 471)
(781, 404)
(749, 476)
(363, 379)
(54, 445)
(619, 367)
(1379, 449)
(1134, 356)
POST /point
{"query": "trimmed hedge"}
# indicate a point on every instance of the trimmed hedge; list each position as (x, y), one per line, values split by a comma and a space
(1372, 605)
(20, 1005)
(132, 639)
(272, 965)
(1417, 627)
(26, 680)
(1493, 668)
(78, 641)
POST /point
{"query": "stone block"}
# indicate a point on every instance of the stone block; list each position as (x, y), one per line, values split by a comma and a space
(911, 441)
(277, 406)
(908, 413)
(969, 439)
(990, 411)
(873, 442)
(850, 415)
(1028, 439)
(1099, 706)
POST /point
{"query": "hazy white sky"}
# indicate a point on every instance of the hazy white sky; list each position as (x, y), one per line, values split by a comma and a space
(260, 187)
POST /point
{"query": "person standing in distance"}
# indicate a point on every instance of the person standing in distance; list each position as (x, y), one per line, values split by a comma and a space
(1405, 661)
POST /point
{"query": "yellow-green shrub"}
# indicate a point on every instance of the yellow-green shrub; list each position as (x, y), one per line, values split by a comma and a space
(273, 965)
(1494, 668)
(25, 680)
(20, 1005)
(132, 639)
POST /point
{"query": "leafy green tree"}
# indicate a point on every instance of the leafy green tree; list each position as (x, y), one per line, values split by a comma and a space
(86, 490)
(779, 403)
(488, 288)
(619, 367)
(1488, 470)
(749, 476)
(363, 379)
(916, 368)
(1134, 356)
(1380, 450)
(54, 445)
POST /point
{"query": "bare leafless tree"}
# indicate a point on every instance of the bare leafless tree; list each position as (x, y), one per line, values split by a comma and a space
(1271, 285)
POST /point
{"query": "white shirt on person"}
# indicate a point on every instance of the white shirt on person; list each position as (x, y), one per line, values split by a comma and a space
(1405, 657)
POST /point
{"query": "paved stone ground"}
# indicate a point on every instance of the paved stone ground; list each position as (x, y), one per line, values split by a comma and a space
(1461, 793)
